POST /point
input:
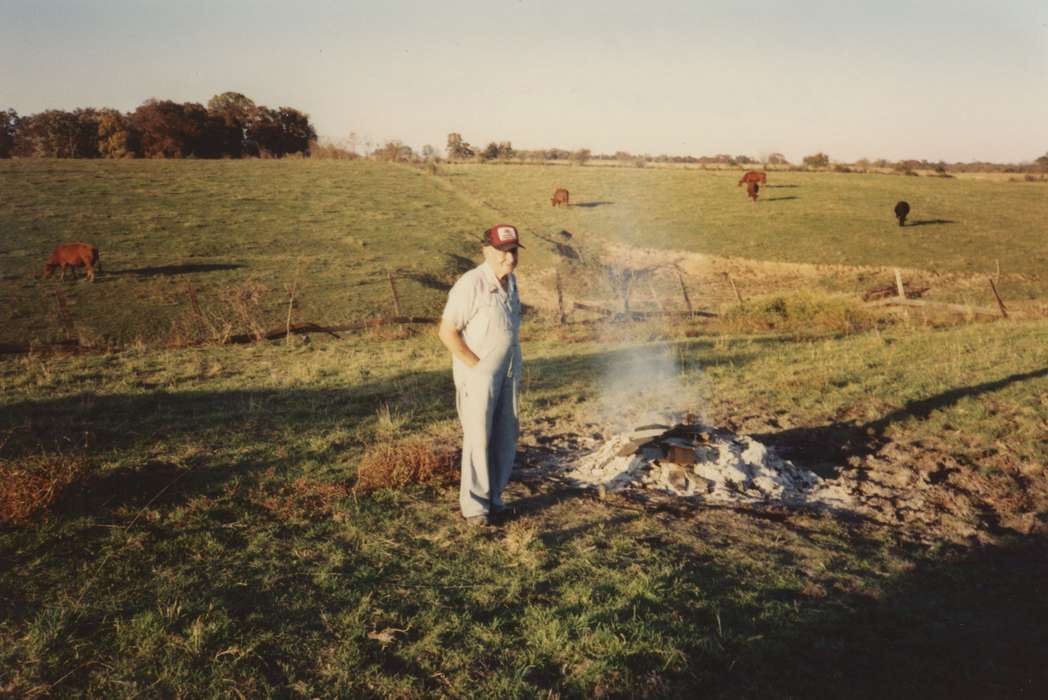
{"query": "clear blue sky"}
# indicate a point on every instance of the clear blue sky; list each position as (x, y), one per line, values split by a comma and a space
(955, 81)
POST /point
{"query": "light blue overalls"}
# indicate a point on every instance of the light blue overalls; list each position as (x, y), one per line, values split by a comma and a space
(486, 395)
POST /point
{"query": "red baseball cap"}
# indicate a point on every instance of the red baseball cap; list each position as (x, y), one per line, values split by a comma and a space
(502, 237)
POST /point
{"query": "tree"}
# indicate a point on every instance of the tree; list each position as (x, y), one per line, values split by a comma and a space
(457, 148)
(581, 156)
(491, 152)
(8, 128)
(777, 159)
(169, 129)
(233, 107)
(1041, 163)
(229, 116)
(281, 131)
(56, 133)
(115, 136)
(817, 160)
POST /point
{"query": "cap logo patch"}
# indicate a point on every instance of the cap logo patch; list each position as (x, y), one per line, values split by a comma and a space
(506, 233)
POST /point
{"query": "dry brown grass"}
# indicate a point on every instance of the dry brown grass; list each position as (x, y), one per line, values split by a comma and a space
(303, 498)
(400, 463)
(30, 485)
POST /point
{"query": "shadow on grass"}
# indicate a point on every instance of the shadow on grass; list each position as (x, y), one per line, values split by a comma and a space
(591, 205)
(428, 279)
(929, 222)
(823, 448)
(752, 620)
(781, 199)
(959, 624)
(138, 429)
(780, 187)
(166, 270)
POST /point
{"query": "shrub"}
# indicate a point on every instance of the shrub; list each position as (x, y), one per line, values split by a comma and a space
(802, 313)
(400, 463)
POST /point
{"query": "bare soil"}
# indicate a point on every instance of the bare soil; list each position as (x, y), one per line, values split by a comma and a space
(920, 491)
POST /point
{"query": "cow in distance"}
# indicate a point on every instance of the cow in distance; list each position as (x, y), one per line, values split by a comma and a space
(753, 176)
(560, 197)
(902, 210)
(74, 255)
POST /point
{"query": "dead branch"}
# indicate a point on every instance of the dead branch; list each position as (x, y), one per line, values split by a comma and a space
(911, 292)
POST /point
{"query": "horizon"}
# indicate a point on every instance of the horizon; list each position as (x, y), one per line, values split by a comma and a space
(950, 82)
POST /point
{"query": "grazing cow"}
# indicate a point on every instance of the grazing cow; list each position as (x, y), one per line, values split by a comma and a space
(560, 197)
(902, 209)
(74, 255)
(752, 188)
(754, 176)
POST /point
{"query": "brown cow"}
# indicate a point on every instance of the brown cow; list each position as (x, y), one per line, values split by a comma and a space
(754, 176)
(74, 255)
(560, 197)
(752, 188)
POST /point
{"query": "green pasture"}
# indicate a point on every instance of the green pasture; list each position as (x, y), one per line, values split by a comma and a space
(250, 230)
(955, 225)
(331, 229)
(199, 555)
(211, 544)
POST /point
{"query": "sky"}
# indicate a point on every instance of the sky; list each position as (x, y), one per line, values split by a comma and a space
(957, 81)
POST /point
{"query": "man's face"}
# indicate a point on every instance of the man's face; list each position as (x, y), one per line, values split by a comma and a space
(502, 262)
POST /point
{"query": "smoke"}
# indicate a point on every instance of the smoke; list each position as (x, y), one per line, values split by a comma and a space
(649, 383)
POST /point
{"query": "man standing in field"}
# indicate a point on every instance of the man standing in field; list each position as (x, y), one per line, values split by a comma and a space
(481, 328)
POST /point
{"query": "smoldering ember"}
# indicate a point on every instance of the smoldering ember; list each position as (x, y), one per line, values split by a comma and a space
(697, 461)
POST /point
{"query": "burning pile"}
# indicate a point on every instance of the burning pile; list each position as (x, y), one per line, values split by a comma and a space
(698, 461)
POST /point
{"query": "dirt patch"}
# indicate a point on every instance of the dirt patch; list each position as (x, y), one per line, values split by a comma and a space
(923, 493)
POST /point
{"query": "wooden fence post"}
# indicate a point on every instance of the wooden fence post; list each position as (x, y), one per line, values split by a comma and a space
(684, 290)
(560, 299)
(898, 284)
(733, 287)
(655, 296)
(1000, 303)
(393, 288)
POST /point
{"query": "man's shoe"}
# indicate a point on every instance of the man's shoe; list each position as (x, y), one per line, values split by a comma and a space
(478, 520)
(503, 512)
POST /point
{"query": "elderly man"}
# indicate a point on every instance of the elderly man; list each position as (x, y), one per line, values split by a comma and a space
(481, 328)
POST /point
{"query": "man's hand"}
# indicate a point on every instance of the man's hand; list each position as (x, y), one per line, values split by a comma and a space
(453, 341)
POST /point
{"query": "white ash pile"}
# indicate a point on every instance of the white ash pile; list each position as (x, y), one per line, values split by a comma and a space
(712, 465)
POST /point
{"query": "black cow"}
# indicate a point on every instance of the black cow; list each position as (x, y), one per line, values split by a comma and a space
(902, 210)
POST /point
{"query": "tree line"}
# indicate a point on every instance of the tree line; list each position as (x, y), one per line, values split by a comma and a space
(231, 126)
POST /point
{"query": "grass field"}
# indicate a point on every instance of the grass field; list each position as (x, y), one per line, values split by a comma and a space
(820, 218)
(240, 233)
(209, 541)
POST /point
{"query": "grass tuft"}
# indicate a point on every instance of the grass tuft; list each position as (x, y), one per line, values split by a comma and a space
(32, 485)
(416, 460)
